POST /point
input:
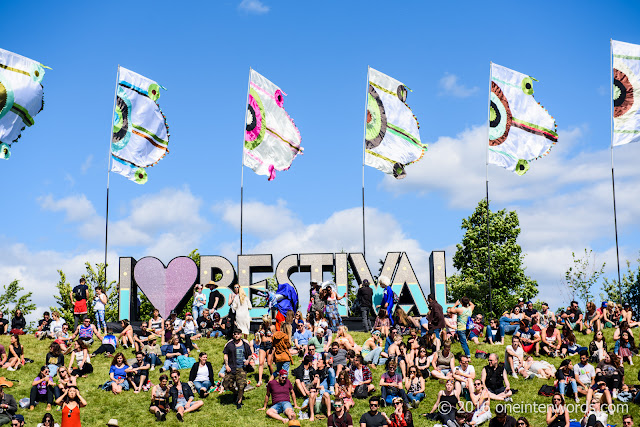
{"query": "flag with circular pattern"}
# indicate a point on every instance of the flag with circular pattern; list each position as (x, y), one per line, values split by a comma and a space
(626, 92)
(520, 129)
(21, 97)
(140, 133)
(271, 139)
(392, 138)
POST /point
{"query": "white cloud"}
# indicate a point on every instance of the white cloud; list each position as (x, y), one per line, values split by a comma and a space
(259, 219)
(253, 6)
(87, 164)
(76, 208)
(449, 85)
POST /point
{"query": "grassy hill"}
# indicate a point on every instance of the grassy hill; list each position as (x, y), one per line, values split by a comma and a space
(132, 409)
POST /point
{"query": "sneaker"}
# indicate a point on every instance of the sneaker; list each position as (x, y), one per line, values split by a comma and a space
(179, 417)
(161, 370)
(239, 405)
(514, 390)
(508, 399)
(158, 416)
(153, 368)
(613, 395)
(514, 375)
(577, 399)
(11, 369)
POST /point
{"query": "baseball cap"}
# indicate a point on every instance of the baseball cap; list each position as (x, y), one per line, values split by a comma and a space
(282, 372)
(19, 417)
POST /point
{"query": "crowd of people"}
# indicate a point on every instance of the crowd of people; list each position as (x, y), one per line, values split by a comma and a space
(335, 370)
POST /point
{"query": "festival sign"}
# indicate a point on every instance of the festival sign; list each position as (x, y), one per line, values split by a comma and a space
(170, 287)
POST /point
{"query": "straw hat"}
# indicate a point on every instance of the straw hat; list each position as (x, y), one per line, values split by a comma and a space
(113, 423)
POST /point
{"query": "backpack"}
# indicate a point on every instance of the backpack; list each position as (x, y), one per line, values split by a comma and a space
(481, 354)
(361, 392)
(396, 298)
(547, 390)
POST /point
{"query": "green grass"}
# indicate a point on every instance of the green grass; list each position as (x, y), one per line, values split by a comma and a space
(132, 409)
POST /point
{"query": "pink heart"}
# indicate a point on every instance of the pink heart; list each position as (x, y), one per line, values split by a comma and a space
(165, 287)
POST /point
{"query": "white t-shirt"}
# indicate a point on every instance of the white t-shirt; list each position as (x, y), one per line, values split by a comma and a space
(469, 371)
(190, 327)
(516, 360)
(202, 374)
(585, 373)
(56, 326)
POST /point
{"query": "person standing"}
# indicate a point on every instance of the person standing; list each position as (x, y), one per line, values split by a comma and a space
(241, 305)
(236, 357)
(435, 316)
(387, 297)
(463, 309)
(365, 299)
(100, 306)
(79, 296)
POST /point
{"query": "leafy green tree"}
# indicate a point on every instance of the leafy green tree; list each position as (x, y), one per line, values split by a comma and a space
(95, 276)
(630, 287)
(582, 276)
(11, 300)
(508, 279)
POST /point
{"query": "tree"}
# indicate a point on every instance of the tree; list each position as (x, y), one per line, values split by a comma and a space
(11, 300)
(582, 275)
(95, 276)
(630, 287)
(508, 279)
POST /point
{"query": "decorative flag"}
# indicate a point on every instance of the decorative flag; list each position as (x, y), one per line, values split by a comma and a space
(626, 92)
(520, 129)
(271, 139)
(140, 132)
(21, 97)
(392, 138)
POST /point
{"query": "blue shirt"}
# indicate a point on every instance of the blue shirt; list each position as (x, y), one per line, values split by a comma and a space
(119, 373)
(303, 338)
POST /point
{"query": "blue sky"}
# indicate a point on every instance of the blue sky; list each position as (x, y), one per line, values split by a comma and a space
(318, 53)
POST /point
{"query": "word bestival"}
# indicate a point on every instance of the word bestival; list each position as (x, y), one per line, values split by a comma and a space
(170, 287)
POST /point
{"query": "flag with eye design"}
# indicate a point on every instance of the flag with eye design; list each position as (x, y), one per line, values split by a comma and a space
(520, 129)
(271, 139)
(626, 92)
(21, 97)
(140, 132)
(392, 138)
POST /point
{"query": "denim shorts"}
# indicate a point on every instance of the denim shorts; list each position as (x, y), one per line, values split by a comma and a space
(280, 407)
(181, 402)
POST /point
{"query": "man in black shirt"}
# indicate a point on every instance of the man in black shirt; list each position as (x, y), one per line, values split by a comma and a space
(236, 357)
(79, 296)
(374, 418)
(573, 316)
(8, 406)
(4, 323)
(365, 298)
(495, 380)
(43, 326)
(205, 326)
(138, 373)
(215, 297)
(502, 419)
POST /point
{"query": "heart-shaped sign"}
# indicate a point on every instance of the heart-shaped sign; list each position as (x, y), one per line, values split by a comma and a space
(165, 287)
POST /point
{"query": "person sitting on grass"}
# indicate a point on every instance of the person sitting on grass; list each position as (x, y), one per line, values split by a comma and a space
(48, 421)
(446, 405)
(86, 332)
(540, 368)
(160, 399)
(16, 355)
(502, 419)
(414, 383)
(341, 416)
(344, 390)
(550, 340)
(42, 389)
(63, 338)
(182, 397)
(573, 317)
(303, 375)
(282, 394)
(585, 373)
(495, 380)
(391, 384)
(126, 336)
(201, 375)
(83, 361)
(71, 402)
(301, 339)
(152, 352)
(565, 375)
(464, 375)
(443, 363)
(43, 326)
(118, 374)
(569, 345)
(54, 358)
(173, 350)
(109, 344)
(65, 380)
(481, 403)
(360, 375)
(138, 373)
(374, 417)
(529, 338)
(514, 357)
(18, 323)
(372, 350)
(557, 413)
(55, 325)
(625, 347)
(401, 416)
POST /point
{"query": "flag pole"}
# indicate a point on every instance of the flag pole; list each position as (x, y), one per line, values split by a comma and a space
(487, 192)
(106, 226)
(613, 180)
(246, 103)
(364, 147)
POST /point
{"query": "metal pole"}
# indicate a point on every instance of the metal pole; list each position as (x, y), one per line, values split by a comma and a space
(613, 180)
(364, 147)
(246, 103)
(106, 226)
(487, 193)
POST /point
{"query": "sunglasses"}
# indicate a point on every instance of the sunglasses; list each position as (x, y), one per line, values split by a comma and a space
(398, 403)
(373, 404)
(520, 423)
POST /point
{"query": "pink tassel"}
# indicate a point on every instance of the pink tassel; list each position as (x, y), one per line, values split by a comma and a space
(272, 173)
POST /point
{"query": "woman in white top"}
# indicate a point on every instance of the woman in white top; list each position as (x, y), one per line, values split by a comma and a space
(156, 323)
(190, 327)
(81, 356)
(482, 403)
(99, 306)
(199, 301)
(56, 325)
(241, 304)
(48, 421)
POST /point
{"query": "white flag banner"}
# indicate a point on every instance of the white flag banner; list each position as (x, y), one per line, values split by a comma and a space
(626, 92)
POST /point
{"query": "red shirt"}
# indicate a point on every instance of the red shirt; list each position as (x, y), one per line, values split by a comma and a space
(279, 392)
